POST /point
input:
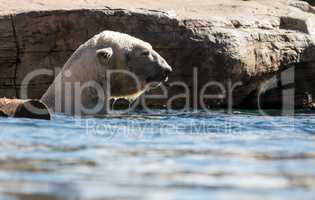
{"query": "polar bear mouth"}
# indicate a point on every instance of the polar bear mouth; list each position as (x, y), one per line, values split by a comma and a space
(133, 96)
(156, 82)
(144, 87)
(161, 79)
(130, 97)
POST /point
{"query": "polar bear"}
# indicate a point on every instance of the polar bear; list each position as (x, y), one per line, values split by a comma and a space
(109, 65)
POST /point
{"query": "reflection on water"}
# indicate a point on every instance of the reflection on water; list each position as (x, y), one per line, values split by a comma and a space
(160, 156)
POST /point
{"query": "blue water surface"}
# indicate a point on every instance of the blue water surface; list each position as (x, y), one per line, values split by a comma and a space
(165, 155)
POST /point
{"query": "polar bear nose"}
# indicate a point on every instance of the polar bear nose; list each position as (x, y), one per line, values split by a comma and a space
(166, 67)
(161, 74)
(166, 70)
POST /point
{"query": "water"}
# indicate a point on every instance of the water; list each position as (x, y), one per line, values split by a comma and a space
(159, 156)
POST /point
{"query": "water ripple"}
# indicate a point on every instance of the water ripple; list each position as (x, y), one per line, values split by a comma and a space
(165, 155)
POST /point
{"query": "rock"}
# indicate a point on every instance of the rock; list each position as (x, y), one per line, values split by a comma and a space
(258, 42)
(24, 108)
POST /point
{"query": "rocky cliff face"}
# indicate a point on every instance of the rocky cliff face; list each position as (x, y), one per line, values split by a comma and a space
(247, 46)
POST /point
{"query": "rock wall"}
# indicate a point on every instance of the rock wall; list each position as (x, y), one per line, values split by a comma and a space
(253, 50)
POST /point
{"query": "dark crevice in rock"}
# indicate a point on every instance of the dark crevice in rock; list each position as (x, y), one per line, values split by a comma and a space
(2, 114)
(17, 59)
(291, 23)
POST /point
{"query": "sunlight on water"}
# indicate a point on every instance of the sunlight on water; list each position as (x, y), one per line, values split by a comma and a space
(160, 156)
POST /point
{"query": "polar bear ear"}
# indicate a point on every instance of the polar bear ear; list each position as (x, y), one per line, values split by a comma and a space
(104, 55)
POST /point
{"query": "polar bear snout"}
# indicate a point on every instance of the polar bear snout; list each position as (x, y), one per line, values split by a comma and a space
(160, 74)
(165, 67)
(148, 65)
(166, 71)
(161, 70)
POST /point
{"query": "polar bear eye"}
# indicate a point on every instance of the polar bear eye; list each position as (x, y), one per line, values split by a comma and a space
(146, 53)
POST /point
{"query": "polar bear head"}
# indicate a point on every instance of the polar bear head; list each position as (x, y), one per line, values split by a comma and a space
(133, 63)
(128, 64)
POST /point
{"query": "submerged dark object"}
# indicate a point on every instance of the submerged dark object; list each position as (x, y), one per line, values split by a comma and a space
(34, 109)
